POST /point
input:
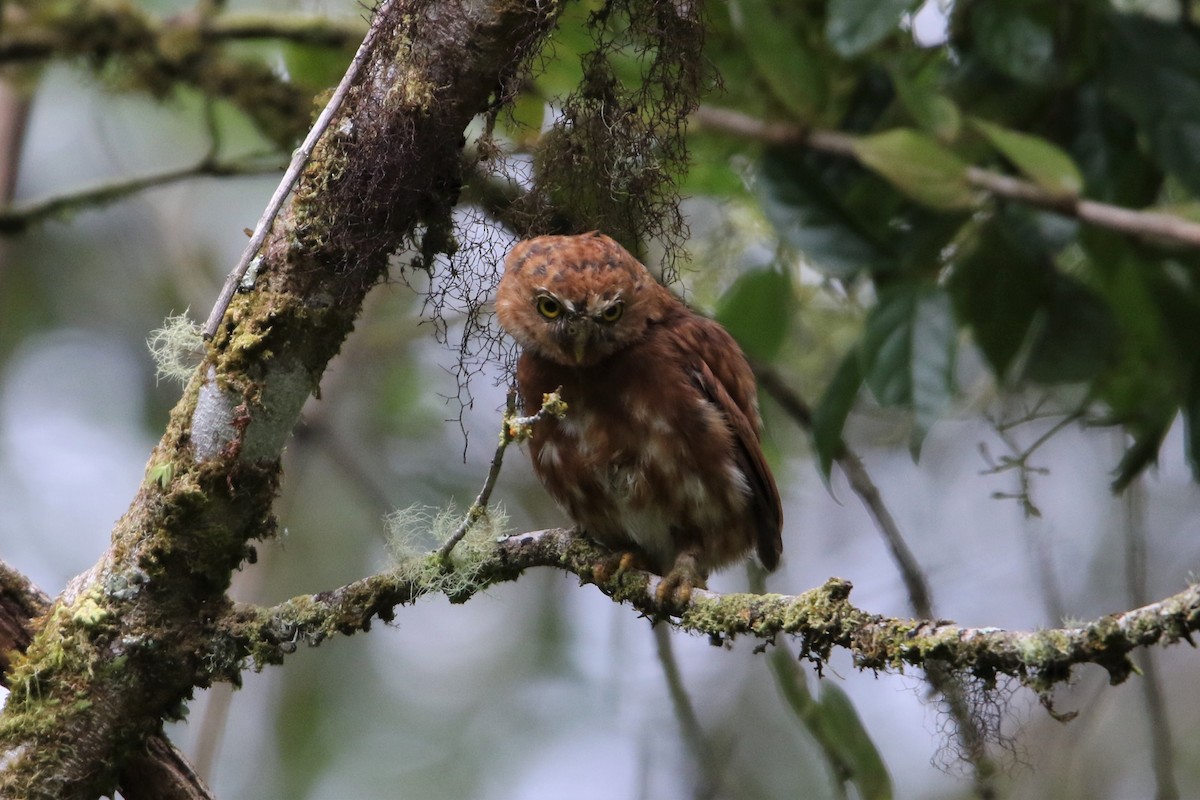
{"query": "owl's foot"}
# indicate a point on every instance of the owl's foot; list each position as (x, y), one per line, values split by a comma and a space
(675, 589)
(616, 564)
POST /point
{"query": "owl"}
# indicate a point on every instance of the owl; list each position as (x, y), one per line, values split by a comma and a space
(658, 456)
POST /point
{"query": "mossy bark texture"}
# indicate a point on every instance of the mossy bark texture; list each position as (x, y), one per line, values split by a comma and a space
(127, 643)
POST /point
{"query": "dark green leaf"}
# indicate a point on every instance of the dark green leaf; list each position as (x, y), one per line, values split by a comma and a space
(1041, 161)
(757, 311)
(1191, 423)
(775, 41)
(1075, 335)
(813, 220)
(908, 349)
(998, 286)
(918, 166)
(1142, 453)
(836, 713)
(935, 113)
(829, 417)
(1014, 42)
(1153, 74)
(853, 26)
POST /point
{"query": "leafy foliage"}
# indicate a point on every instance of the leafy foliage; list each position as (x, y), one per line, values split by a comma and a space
(1080, 100)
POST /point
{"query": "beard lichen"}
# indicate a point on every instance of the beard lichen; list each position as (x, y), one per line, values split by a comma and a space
(414, 531)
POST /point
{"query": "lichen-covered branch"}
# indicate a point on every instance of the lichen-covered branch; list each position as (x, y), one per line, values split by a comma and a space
(155, 54)
(822, 619)
(920, 597)
(126, 644)
(159, 772)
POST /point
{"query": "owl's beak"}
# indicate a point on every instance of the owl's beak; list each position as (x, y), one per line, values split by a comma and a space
(581, 340)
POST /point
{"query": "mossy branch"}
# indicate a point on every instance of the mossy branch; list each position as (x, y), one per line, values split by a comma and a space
(822, 619)
(138, 51)
(128, 641)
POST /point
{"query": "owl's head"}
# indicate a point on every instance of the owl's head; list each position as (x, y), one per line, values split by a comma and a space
(576, 299)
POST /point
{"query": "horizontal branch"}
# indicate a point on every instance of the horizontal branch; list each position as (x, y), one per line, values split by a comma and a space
(1147, 224)
(822, 618)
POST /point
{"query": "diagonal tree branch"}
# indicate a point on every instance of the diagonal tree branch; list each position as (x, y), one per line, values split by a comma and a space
(160, 771)
(129, 640)
(920, 598)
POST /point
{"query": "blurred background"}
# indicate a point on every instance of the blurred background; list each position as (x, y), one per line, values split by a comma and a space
(543, 688)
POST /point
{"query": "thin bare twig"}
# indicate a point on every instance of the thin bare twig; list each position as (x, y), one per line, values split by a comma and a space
(21, 218)
(1145, 224)
(299, 160)
(689, 722)
(513, 429)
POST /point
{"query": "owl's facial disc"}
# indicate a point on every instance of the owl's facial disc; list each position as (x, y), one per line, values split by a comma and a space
(583, 328)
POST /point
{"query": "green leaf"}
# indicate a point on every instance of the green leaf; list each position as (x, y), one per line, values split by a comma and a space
(314, 67)
(1191, 423)
(757, 311)
(787, 63)
(1075, 335)
(812, 219)
(712, 169)
(998, 285)
(829, 417)
(919, 166)
(836, 713)
(1014, 42)
(854, 26)
(908, 350)
(1153, 74)
(935, 113)
(1039, 160)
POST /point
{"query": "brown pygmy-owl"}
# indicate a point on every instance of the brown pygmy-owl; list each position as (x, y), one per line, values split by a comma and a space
(658, 456)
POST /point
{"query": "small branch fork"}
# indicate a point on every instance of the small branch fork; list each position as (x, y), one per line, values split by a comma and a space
(514, 429)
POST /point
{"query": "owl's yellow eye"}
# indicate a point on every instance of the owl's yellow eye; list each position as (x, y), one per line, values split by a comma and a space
(613, 312)
(548, 307)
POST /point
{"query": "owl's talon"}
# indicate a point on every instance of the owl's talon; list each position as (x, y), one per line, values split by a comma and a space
(616, 564)
(675, 589)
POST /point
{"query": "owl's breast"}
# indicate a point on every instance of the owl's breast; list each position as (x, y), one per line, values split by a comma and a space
(647, 464)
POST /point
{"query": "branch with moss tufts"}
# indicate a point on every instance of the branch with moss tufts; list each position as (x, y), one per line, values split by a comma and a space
(124, 646)
(138, 51)
(160, 771)
(822, 619)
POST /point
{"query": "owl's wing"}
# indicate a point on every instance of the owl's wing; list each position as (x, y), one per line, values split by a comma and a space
(722, 375)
